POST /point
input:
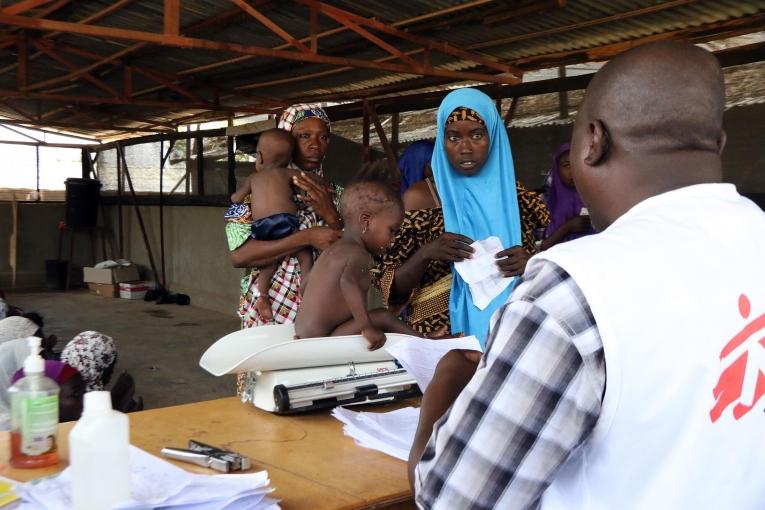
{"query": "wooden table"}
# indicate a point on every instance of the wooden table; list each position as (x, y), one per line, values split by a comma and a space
(312, 465)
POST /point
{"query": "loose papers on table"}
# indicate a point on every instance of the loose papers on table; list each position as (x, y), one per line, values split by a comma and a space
(158, 484)
(393, 433)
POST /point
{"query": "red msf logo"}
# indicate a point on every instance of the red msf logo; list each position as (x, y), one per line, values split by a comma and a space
(742, 381)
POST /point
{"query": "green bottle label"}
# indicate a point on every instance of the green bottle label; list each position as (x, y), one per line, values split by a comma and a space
(38, 424)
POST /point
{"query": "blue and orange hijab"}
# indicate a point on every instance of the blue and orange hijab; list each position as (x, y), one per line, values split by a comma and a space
(479, 206)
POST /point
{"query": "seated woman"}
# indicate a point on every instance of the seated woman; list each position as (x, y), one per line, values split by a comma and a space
(569, 215)
(12, 356)
(71, 385)
(416, 271)
(414, 163)
(94, 355)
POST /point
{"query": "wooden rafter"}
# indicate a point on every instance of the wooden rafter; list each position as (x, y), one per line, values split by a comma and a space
(582, 24)
(430, 44)
(695, 34)
(24, 6)
(67, 125)
(273, 27)
(72, 66)
(206, 44)
(172, 17)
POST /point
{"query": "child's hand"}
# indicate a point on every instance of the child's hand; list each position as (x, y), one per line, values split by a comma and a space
(374, 336)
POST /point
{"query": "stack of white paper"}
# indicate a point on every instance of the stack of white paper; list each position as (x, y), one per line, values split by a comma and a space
(391, 433)
(158, 484)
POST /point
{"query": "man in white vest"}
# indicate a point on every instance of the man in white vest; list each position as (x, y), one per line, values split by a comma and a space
(627, 370)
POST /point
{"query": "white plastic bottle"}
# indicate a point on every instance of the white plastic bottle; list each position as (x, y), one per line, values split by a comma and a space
(98, 453)
(34, 414)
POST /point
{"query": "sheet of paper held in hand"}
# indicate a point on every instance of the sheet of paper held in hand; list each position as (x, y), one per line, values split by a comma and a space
(419, 356)
(481, 272)
(155, 483)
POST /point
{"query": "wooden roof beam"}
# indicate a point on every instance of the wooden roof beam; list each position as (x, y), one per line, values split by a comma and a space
(697, 34)
(334, 31)
(24, 6)
(441, 47)
(195, 43)
(172, 17)
(40, 45)
(87, 99)
(65, 125)
(582, 24)
(273, 27)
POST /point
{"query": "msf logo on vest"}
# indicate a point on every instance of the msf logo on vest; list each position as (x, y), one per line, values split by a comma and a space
(742, 382)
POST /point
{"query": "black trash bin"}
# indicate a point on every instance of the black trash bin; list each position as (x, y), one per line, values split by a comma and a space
(82, 198)
(55, 274)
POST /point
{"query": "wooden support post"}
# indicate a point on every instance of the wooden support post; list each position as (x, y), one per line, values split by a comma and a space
(563, 95)
(200, 166)
(391, 156)
(314, 29)
(119, 204)
(231, 164)
(128, 89)
(511, 111)
(365, 138)
(172, 17)
(121, 155)
(394, 124)
(23, 70)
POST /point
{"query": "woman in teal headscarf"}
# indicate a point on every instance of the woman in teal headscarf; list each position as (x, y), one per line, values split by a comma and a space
(475, 178)
(480, 199)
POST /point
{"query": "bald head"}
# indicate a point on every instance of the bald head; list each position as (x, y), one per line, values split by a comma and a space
(276, 147)
(368, 196)
(650, 122)
(659, 97)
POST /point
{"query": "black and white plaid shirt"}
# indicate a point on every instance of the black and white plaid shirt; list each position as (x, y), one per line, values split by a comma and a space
(535, 398)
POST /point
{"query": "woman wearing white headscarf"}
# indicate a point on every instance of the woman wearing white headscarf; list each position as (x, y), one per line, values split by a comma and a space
(12, 355)
(15, 327)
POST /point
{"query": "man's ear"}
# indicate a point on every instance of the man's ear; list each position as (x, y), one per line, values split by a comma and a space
(721, 142)
(598, 143)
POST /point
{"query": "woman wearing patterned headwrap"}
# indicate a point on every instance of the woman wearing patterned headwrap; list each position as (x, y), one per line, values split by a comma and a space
(474, 196)
(319, 224)
(94, 355)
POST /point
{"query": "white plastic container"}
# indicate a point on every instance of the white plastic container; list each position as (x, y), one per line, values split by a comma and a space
(98, 452)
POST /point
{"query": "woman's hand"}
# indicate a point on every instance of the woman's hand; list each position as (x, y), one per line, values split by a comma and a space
(321, 237)
(579, 224)
(318, 195)
(512, 261)
(448, 247)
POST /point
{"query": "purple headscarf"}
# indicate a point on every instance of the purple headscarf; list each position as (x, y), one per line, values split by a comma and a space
(56, 370)
(563, 202)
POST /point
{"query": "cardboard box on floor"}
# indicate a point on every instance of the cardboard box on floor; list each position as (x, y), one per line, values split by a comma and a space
(104, 289)
(110, 275)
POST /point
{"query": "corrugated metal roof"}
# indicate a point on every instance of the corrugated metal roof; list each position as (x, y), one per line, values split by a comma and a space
(170, 83)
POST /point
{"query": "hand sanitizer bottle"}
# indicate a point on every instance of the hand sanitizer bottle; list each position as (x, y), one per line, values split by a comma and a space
(34, 414)
(98, 453)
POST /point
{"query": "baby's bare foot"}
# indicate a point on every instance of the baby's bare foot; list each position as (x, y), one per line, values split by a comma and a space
(263, 306)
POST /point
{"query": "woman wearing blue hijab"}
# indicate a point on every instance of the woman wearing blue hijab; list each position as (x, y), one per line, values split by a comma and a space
(475, 178)
(480, 199)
